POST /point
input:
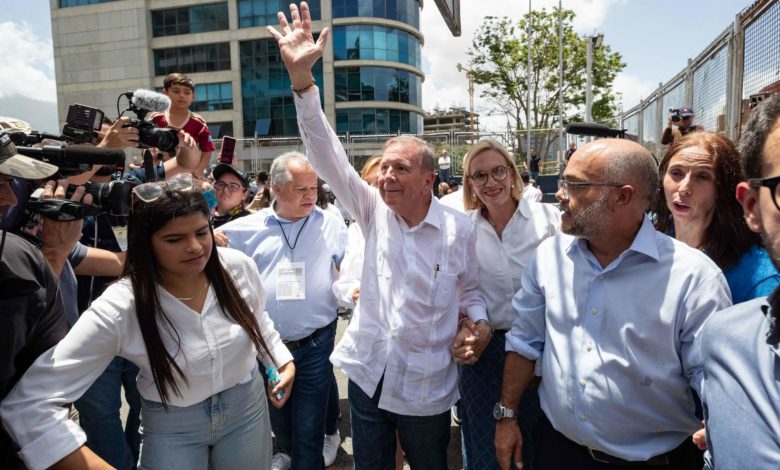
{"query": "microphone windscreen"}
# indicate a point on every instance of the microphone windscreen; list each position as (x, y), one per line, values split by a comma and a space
(151, 100)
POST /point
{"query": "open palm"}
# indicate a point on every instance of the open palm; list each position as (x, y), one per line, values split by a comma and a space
(296, 43)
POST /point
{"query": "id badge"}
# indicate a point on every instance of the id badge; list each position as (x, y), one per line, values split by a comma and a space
(121, 237)
(291, 280)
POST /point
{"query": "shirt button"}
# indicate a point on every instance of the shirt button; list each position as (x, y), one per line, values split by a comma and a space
(589, 346)
(594, 311)
(600, 277)
(582, 382)
(583, 418)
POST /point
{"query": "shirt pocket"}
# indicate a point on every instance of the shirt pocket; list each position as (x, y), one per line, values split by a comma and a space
(442, 289)
(424, 377)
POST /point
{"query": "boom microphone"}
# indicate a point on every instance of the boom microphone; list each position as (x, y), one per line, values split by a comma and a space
(75, 154)
(150, 100)
(594, 129)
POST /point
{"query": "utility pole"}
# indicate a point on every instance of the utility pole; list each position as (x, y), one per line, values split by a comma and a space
(593, 42)
(470, 76)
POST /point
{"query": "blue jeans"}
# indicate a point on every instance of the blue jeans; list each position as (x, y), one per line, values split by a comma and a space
(334, 413)
(299, 426)
(227, 431)
(99, 415)
(424, 439)
(444, 176)
(535, 176)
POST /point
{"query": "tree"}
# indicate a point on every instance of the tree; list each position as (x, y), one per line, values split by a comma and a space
(498, 56)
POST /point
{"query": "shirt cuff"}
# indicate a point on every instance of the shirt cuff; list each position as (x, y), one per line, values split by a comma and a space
(517, 345)
(308, 104)
(476, 313)
(60, 441)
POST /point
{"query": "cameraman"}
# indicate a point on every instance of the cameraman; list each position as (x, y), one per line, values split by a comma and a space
(33, 318)
(683, 118)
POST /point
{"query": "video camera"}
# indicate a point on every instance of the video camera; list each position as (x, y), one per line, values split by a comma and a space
(677, 113)
(141, 103)
(82, 124)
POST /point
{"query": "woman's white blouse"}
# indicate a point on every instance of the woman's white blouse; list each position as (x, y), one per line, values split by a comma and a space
(502, 260)
(215, 355)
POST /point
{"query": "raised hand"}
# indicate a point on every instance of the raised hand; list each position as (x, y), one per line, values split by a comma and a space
(297, 46)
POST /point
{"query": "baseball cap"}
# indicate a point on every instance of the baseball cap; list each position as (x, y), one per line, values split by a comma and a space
(19, 166)
(223, 168)
(686, 112)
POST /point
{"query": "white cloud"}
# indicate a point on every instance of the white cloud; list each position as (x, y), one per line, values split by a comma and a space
(633, 88)
(28, 63)
(444, 86)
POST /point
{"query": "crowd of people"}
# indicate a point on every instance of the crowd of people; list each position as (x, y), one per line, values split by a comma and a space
(632, 325)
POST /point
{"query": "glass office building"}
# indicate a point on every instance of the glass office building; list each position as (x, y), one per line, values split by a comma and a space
(370, 77)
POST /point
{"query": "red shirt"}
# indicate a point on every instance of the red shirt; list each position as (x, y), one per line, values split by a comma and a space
(195, 126)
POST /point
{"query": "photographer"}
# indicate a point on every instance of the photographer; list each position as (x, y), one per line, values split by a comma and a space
(678, 125)
(33, 317)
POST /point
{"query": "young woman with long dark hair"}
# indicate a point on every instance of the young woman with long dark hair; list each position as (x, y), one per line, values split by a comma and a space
(191, 316)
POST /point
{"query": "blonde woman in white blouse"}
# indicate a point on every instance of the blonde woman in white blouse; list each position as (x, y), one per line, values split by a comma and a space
(509, 228)
(192, 318)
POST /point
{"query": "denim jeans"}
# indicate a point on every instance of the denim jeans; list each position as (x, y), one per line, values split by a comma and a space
(99, 415)
(227, 431)
(299, 426)
(424, 439)
(334, 413)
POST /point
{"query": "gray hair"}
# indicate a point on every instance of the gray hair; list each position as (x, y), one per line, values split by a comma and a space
(635, 166)
(427, 154)
(280, 173)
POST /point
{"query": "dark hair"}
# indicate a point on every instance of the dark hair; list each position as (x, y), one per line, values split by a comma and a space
(322, 195)
(728, 236)
(178, 79)
(141, 267)
(262, 176)
(751, 145)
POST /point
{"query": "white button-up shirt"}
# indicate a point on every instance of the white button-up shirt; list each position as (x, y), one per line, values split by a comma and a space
(532, 193)
(618, 344)
(351, 267)
(215, 354)
(414, 282)
(502, 260)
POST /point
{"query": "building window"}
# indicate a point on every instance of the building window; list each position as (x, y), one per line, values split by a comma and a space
(192, 59)
(375, 43)
(194, 19)
(263, 12)
(377, 84)
(405, 11)
(378, 121)
(268, 106)
(221, 129)
(76, 3)
(213, 97)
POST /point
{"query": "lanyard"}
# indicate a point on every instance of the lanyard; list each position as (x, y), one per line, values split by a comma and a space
(286, 240)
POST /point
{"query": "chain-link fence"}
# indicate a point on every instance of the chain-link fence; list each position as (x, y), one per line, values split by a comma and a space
(738, 66)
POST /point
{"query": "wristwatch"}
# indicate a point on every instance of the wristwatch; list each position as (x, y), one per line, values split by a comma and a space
(500, 412)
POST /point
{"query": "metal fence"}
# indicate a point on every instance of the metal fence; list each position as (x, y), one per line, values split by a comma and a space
(718, 84)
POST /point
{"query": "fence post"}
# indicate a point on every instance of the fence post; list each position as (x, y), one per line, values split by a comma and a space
(734, 79)
(659, 120)
(689, 84)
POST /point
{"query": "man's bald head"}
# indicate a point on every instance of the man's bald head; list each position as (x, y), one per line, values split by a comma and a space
(624, 162)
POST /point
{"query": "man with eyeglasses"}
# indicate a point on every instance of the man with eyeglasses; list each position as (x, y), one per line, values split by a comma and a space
(418, 273)
(740, 346)
(232, 189)
(608, 315)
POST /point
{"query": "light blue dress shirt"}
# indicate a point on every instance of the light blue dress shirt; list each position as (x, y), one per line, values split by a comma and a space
(617, 344)
(320, 243)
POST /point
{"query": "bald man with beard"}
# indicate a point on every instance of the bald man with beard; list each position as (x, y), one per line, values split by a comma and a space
(608, 316)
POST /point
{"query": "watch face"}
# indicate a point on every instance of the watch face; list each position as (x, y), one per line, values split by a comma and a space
(497, 411)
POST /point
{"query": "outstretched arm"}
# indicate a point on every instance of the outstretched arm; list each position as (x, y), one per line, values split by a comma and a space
(297, 45)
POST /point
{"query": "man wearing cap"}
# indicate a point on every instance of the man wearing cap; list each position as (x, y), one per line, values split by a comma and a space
(33, 318)
(232, 188)
(684, 127)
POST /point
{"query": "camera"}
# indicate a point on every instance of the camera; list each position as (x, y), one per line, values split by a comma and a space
(82, 123)
(112, 197)
(149, 135)
(675, 114)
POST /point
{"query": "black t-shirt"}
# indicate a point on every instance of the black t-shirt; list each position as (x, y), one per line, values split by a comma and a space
(32, 319)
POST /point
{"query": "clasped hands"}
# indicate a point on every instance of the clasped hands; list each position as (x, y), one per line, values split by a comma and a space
(471, 341)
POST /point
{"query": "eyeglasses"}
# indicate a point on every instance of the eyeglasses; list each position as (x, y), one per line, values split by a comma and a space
(232, 187)
(481, 177)
(566, 186)
(149, 192)
(771, 183)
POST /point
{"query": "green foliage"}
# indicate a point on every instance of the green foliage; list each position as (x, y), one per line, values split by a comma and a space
(499, 54)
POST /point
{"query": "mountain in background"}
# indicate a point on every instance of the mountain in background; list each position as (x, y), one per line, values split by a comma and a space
(41, 115)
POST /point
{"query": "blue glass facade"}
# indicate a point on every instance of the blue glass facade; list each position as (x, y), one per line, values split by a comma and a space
(263, 12)
(191, 59)
(375, 43)
(377, 121)
(213, 97)
(405, 11)
(75, 3)
(194, 19)
(267, 101)
(221, 129)
(377, 84)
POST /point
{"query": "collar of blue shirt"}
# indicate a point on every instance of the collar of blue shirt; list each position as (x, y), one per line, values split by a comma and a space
(644, 243)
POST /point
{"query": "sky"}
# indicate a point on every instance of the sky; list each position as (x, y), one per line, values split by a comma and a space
(655, 38)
